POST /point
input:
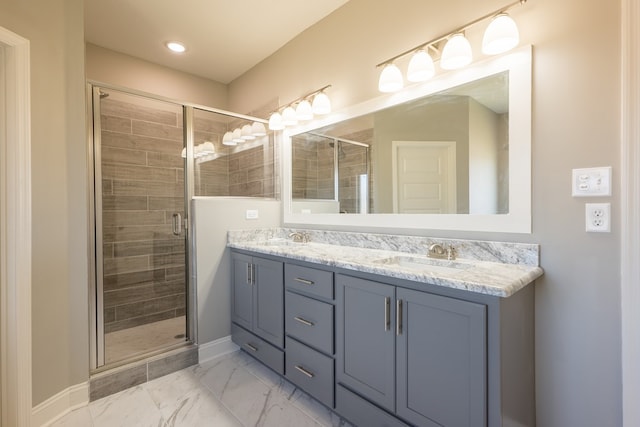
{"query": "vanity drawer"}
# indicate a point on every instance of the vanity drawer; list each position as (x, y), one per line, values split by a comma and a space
(362, 413)
(309, 280)
(310, 370)
(260, 349)
(309, 321)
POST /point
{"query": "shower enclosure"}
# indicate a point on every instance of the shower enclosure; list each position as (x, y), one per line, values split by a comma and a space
(151, 156)
(330, 174)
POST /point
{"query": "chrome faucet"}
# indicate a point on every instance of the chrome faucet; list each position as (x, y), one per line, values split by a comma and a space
(438, 251)
(300, 237)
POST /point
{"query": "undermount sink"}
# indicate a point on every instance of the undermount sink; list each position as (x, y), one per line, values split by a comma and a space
(424, 264)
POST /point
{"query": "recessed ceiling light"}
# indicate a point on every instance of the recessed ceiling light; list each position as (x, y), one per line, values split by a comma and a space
(176, 47)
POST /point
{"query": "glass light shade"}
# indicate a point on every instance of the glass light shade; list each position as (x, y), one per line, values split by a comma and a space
(321, 104)
(421, 67)
(500, 36)
(197, 151)
(237, 135)
(289, 117)
(258, 129)
(207, 148)
(304, 111)
(456, 53)
(275, 121)
(227, 139)
(184, 153)
(390, 79)
(247, 134)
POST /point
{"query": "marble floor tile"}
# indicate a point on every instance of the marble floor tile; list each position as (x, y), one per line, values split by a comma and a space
(132, 407)
(79, 418)
(231, 391)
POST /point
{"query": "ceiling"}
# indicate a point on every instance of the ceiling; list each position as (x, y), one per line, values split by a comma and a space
(224, 38)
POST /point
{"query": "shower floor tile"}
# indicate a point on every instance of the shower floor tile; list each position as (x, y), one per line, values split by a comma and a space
(142, 339)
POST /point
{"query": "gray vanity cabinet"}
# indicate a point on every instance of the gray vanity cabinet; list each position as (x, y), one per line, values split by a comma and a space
(441, 360)
(258, 297)
(365, 339)
(418, 355)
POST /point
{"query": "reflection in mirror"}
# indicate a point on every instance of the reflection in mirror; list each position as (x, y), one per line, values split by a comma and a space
(452, 153)
(330, 174)
(446, 153)
(242, 170)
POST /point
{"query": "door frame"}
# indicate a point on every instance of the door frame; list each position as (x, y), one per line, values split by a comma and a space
(630, 213)
(15, 235)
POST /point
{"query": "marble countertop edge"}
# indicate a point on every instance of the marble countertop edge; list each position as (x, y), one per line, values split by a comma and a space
(485, 277)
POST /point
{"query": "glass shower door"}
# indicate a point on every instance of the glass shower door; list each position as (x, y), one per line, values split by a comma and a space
(141, 250)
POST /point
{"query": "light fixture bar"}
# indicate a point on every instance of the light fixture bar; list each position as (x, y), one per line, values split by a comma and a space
(456, 31)
(310, 94)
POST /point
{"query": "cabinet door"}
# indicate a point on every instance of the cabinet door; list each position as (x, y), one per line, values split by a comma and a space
(242, 291)
(365, 347)
(441, 363)
(268, 314)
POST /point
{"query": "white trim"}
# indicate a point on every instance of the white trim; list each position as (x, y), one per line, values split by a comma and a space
(16, 251)
(60, 405)
(630, 244)
(217, 348)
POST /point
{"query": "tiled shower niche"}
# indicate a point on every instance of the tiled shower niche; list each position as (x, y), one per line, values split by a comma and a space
(144, 278)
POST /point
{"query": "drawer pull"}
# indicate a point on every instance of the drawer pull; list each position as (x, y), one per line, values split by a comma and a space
(304, 371)
(304, 281)
(251, 347)
(303, 321)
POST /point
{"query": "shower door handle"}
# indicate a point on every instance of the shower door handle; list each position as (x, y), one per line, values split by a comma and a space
(176, 223)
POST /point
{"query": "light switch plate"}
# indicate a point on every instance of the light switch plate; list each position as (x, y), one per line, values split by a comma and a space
(591, 182)
(251, 214)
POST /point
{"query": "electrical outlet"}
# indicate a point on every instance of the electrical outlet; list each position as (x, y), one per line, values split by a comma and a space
(251, 214)
(598, 217)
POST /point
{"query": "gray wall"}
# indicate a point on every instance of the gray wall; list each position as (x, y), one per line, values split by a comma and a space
(59, 189)
(576, 121)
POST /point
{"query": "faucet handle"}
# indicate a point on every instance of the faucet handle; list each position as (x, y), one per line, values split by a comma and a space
(452, 253)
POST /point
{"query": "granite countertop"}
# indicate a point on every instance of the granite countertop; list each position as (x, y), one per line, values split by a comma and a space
(475, 275)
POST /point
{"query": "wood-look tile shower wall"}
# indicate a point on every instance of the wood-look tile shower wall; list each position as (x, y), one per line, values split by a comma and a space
(143, 186)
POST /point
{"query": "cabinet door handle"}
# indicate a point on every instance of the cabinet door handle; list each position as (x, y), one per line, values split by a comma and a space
(387, 313)
(304, 281)
(251, 347)
(303, 321)
(253, 274)
(304, 371)
(399, 317)
(249, 282)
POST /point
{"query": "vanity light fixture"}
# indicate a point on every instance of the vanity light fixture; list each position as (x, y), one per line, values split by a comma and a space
(421, 67)
(456, 53)
(258, 129)
(227, 139)
(289, 116)
(500, 36)
(247, 133)
(237, 136)
(390, 79)
(304, 111)
(175, 47)
(313, 103)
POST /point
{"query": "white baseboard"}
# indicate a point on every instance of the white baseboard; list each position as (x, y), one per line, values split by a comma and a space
(217, 348)
(59, 405)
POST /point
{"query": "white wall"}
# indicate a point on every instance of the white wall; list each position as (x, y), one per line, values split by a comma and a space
(576, 123)
(214, 217)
